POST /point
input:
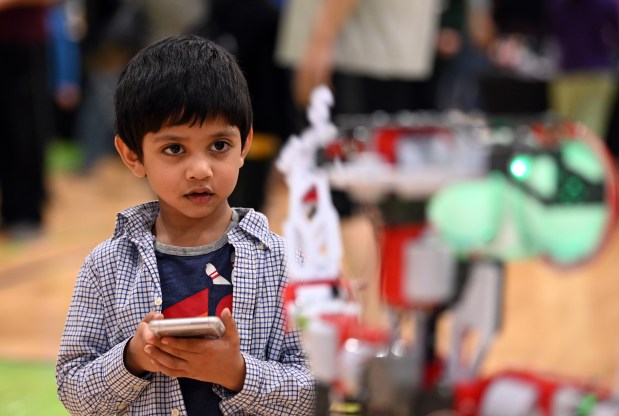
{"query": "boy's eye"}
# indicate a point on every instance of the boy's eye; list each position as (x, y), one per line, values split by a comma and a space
(220, 146)
(173, 149)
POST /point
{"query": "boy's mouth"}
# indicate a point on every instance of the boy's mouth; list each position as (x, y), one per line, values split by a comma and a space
(199, 195)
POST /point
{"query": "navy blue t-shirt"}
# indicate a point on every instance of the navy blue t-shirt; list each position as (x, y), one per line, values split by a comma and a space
(196, 281)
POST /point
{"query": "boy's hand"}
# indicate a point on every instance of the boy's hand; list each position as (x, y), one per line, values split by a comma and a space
(137, 361)
(213, 360)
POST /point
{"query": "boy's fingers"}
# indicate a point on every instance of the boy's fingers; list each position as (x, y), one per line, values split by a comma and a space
(152, 316)
(144, 324)
(228, 320)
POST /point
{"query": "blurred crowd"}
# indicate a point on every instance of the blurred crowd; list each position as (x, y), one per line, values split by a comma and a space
(60, 59)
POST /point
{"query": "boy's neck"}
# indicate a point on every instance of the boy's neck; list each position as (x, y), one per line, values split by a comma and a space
(192, 233)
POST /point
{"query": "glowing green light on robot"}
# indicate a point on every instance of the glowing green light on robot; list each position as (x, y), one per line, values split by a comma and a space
(520, 167)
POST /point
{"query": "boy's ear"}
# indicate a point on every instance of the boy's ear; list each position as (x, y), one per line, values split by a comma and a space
(129, 157)
(247, 145)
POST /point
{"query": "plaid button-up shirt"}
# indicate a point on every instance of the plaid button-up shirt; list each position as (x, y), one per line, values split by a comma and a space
(118, 285)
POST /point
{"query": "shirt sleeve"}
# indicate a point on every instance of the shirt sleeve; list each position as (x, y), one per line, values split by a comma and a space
(91, 376)
(275, 387)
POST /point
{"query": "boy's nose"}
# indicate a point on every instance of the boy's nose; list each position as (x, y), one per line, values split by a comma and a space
(199, 168)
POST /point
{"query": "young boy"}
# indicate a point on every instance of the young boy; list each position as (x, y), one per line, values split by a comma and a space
(183, 119)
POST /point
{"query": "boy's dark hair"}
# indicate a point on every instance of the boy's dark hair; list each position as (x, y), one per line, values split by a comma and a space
(178, 80)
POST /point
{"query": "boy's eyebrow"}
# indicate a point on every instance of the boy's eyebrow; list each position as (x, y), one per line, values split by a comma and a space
(222, 132)
(226, 131)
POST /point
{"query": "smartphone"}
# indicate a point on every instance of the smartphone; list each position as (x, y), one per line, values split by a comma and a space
(203, 326)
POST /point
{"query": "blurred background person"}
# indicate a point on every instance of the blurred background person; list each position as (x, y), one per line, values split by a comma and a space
(523, 61)
(114, 31)
(167, 17)
(65, 27)
(375, 54)
(556, 57)
(466, 31)
(26, 115)
(587, 35)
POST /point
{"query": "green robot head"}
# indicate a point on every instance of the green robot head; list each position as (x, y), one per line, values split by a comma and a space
(545, 202)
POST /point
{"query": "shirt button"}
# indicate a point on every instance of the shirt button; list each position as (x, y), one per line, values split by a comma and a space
(158, 301)
(122, 406)
(137, 387)
(175, 412)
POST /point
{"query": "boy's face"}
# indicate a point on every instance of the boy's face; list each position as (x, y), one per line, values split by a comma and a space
(192, 170)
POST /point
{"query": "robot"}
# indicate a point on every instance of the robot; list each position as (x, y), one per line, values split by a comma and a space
(457, 198)
(316, 300)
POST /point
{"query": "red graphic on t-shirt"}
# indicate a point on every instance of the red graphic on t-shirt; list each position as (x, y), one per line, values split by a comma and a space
(225, 302)
(195, 305)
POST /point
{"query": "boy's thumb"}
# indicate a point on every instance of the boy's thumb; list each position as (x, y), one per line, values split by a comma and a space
(228, 320)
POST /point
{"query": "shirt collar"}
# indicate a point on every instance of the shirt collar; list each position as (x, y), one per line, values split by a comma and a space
(253, 223)
(137, 222)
